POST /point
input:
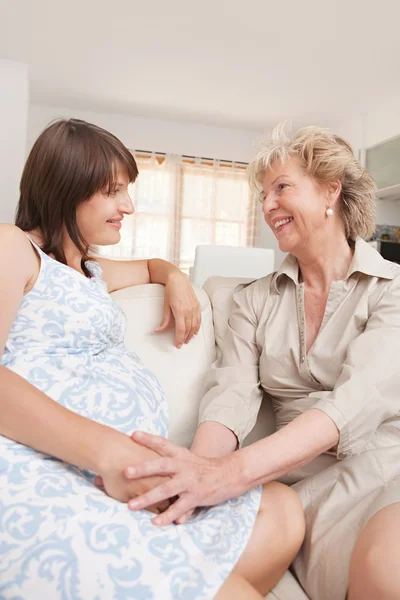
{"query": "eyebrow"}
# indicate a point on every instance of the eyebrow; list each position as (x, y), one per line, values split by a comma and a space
(277, 178)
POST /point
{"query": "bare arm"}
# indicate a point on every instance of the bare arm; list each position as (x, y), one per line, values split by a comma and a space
(120, 274)
(302, 440)
(180, 300)
(213, 439)
(201, 481)
(32, 418)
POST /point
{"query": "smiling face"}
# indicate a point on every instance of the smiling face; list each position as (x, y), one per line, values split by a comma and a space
(99, 219)
(294, 206)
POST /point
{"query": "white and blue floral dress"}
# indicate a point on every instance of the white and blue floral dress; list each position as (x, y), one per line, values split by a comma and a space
(61, 538)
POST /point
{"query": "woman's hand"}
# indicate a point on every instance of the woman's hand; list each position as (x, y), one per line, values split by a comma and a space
(111, 477)
(181, 302)
(198, 481)
(212, 440)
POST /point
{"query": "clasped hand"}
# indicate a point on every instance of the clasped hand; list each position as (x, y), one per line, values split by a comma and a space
(111, 476)
(195, 480)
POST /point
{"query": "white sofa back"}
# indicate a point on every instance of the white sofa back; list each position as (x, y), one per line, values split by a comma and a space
(232, 261)
(180, 372)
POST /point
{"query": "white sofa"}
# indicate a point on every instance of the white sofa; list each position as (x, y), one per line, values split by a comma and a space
(181, 372)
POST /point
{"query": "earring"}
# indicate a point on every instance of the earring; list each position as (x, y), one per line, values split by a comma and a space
(329, 212)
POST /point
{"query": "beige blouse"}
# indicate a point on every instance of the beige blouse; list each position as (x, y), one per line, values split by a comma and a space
(351, 372)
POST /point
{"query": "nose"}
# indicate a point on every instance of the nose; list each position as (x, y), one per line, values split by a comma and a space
(126, 204)
(270, 203)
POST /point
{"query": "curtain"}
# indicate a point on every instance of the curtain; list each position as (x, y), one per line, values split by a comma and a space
(181, 203)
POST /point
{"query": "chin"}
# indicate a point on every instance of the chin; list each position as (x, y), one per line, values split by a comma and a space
(285, 246)
(289, 243)
(106, 240)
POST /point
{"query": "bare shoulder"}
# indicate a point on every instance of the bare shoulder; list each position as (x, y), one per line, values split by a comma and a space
(12, 234)
(19, 265)
(16, 251)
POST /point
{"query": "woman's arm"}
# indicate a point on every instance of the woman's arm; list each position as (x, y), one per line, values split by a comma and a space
(180, 301)
(30, 417)
(302, 440)
(120, 274)
(233, 393)
(213, 440)
(200, 481)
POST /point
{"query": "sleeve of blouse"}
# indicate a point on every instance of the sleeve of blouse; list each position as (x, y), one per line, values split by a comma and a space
(367, 391)
(233, 393)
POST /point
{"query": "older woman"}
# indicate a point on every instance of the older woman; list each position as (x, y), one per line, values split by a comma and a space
(322, 337)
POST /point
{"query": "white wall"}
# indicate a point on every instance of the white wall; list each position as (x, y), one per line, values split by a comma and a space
(383, 122)
(373, 127)
(14, 102)
(143, 133)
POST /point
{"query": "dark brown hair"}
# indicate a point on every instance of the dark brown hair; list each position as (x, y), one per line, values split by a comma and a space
(70, 162)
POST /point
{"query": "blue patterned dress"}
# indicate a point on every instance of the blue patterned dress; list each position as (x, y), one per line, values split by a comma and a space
(60, 536)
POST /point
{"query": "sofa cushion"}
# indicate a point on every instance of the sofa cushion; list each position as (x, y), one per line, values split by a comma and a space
(220, 290)
(180, 372)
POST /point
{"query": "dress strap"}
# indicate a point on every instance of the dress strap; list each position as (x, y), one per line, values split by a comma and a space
(34, 244)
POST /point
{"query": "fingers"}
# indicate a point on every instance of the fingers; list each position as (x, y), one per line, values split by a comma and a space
(174, 513)
(98, 481)
(188, 328)
(187, 324)
(198, 321)
(160, 466)
(159, 508)
(194, 326)
(155, 496)
(154, 510)
(166, 320)
(180, 330)
(157, 443)
(185, 518)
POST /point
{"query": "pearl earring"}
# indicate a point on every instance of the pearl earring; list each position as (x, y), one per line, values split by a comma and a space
(329, 212)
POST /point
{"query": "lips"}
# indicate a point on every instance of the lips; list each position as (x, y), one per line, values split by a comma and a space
(117, 223)
(279, 223)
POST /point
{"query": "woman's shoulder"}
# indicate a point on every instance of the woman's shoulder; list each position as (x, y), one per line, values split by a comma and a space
(13, 238)
(16, 249)
(253, 296)
(257, 287)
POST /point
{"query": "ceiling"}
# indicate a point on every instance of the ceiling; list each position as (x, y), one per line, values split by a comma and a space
(238, 64)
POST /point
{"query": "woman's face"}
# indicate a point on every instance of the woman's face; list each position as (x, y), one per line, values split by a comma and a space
(294, 206)
(99, 219)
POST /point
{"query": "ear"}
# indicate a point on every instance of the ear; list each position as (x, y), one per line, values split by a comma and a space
(333, 190)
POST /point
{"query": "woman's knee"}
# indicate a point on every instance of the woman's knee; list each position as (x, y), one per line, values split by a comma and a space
(374, 572)
(372, 576)
(285, 505)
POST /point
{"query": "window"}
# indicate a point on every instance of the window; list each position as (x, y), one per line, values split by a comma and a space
(180, 204)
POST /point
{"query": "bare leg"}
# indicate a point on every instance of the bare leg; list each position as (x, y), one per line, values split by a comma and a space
(374, 567)
(276, 538)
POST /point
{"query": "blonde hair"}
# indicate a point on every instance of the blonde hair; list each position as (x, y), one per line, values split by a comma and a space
(324, 157)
